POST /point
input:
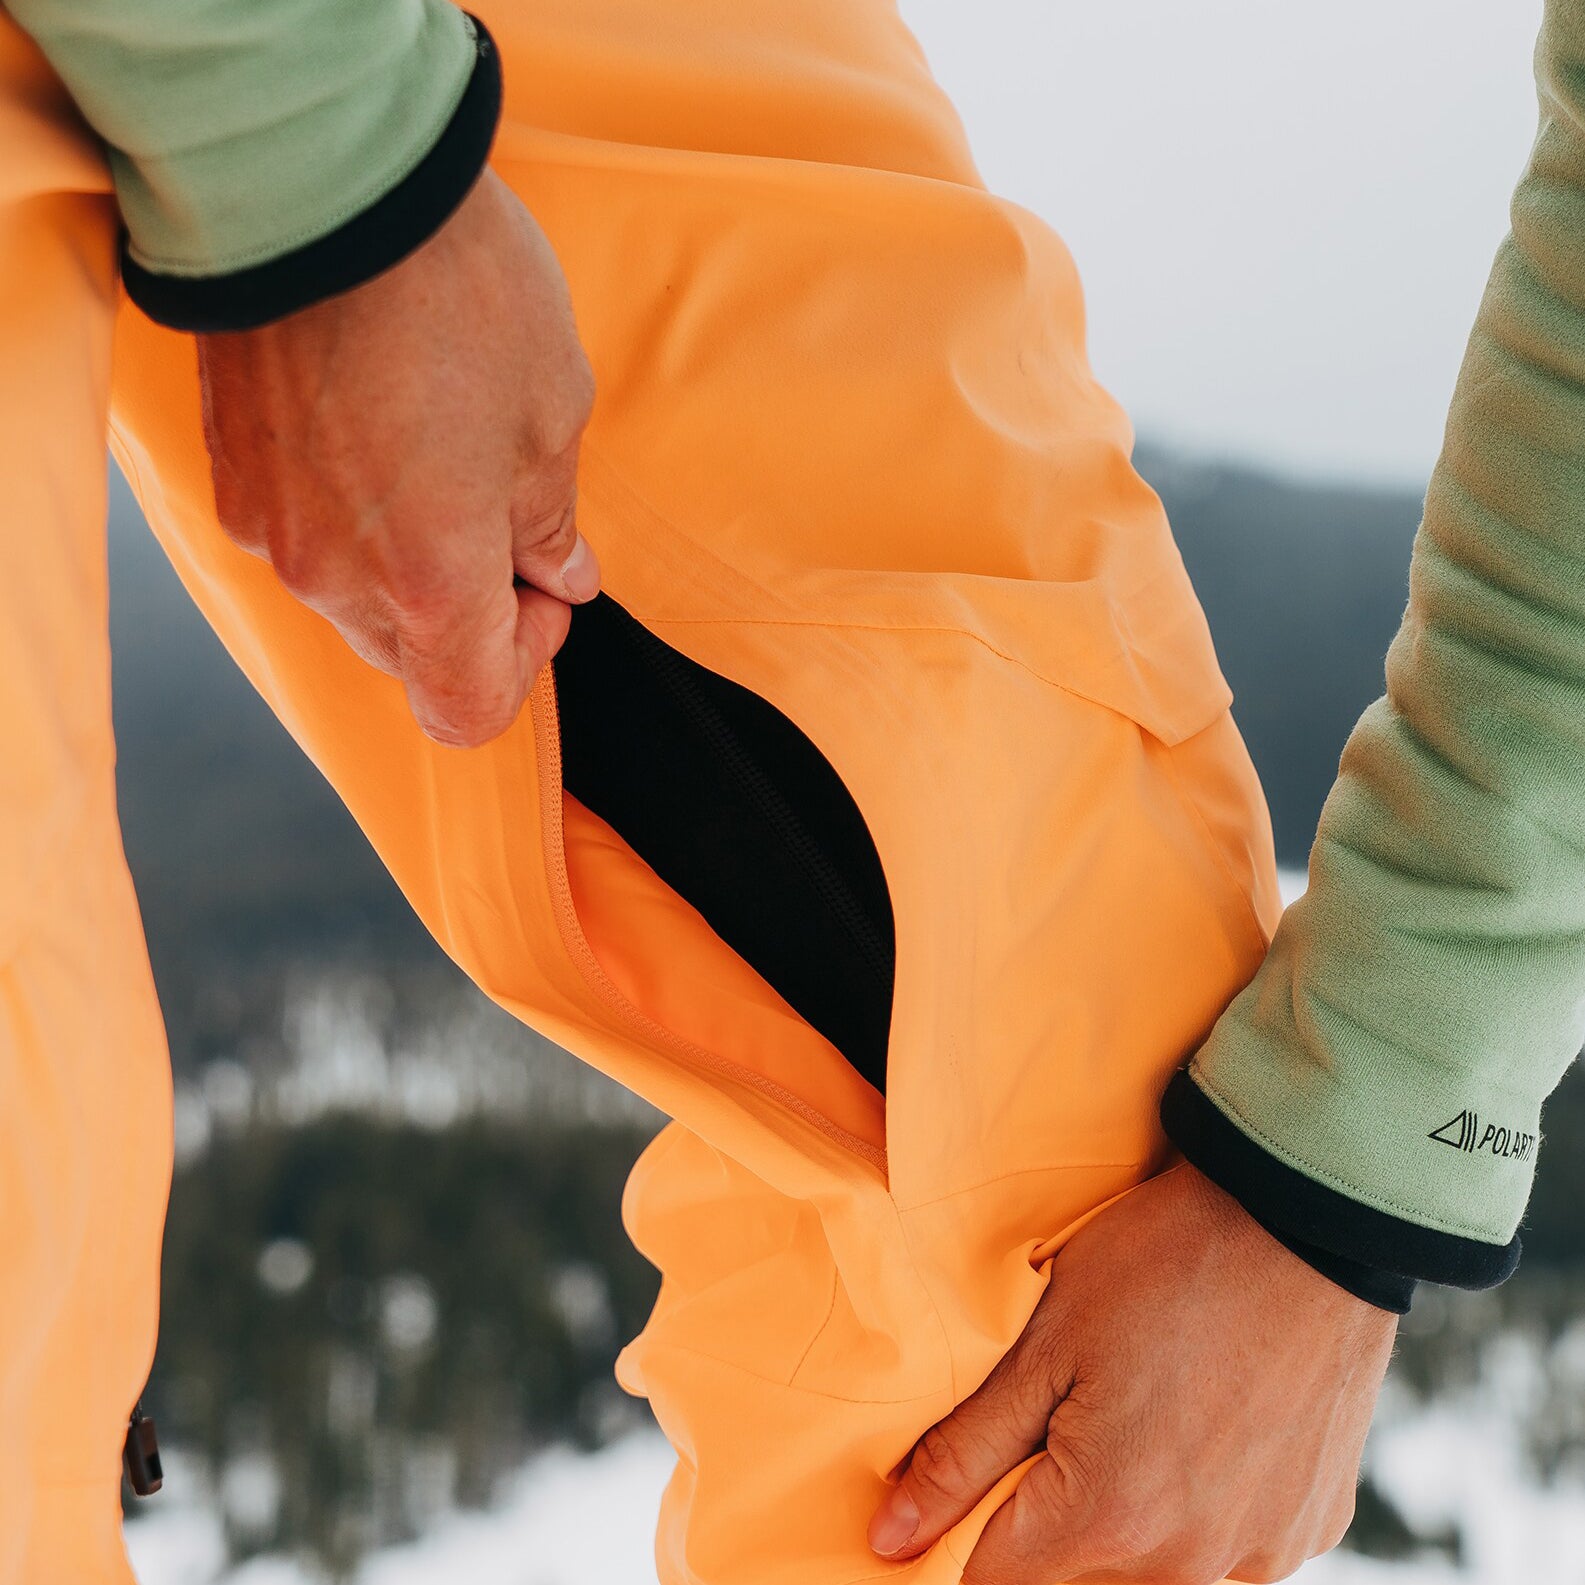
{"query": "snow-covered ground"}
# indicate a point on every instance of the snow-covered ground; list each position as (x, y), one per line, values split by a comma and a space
(563, 1519)
(571, 1519)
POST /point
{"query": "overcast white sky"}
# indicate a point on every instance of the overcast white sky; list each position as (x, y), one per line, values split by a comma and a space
(1283, 213)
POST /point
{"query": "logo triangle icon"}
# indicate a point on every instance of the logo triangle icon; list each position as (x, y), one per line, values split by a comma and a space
(1458, 1131)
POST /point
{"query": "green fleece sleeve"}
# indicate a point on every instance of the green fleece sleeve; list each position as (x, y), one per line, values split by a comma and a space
(240, 130)
(1424, 997)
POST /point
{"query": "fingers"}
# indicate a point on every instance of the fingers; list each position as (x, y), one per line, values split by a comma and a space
(547, 550)
(405, 456)
(467, 673)
(467, 642)
(961, 1457)
(555, 558)
(469, 687)
(542, 627)
(1037, 1534)
(1078, 1513)
(1197, 1409)
(1099, 1505)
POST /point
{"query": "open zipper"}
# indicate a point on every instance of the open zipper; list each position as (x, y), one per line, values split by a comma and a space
(547, 738)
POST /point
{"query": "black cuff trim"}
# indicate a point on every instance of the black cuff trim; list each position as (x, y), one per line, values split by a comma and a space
(1279, 1196)
(364, 246)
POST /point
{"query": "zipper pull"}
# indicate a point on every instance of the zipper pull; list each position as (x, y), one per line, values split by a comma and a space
(140, 1456)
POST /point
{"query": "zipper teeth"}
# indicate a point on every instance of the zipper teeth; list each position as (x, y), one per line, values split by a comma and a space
(782, 818)
(547, 734)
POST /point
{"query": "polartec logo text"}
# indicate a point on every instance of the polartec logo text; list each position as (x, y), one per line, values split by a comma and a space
(1466, 1132)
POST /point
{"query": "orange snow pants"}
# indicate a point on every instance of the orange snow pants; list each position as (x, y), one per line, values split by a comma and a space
(847, 452)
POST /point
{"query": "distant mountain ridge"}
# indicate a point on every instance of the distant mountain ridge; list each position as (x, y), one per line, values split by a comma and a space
(1304, 586)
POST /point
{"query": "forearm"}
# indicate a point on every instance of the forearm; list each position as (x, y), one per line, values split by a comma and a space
(1436, 966)
(242, 133)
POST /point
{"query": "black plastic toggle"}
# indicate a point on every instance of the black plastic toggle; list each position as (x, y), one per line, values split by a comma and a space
(140, 1456)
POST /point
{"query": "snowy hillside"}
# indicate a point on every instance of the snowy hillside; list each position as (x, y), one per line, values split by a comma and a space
(569, 1519)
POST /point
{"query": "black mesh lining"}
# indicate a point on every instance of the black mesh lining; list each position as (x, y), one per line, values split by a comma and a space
(738, 812)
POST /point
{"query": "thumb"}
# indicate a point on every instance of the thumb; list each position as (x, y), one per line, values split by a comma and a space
(960, 1458)
(548, 552)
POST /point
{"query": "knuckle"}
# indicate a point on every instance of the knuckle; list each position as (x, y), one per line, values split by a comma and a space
(462, 711)
(299, 562)
(470, 728)
(1121, 1530)
(1090, 1466)
(1196, 1566)
(449, 734)
(583, 391)
(422, 602)
(561, 425)
(567, 418)
(376, 643)
(547, 533)
(563, 407)
(938, 1469)
(1056, 1503)
(1034, 1529)
(440, 729)
(234, 511)
(1340, 1523)
(1041, 1350)
(1266, 1568)
(1126, 1514)
(441, 610)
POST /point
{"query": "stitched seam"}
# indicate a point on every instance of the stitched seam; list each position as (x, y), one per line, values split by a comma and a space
(840, 626)
(594, 459)
(669, 1347)
(1332, 1180)
(930, 1299)
(902, 1570)
(825, 1321)
(1020, 1172)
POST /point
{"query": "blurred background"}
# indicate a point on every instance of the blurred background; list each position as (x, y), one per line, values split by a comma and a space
(395, 1276)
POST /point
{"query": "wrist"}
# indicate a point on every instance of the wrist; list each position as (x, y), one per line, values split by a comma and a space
(1268, 1258)
(1314, 1218)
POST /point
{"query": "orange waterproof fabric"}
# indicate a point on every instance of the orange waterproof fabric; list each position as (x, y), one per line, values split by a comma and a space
(847, 451)
(84, 1079)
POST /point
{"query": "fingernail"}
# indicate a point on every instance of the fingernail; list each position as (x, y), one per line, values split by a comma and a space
(580, 573)
(893, 1527)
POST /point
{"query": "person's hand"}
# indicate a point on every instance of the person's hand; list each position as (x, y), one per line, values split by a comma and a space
(404, 455)
(1201, 1396)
